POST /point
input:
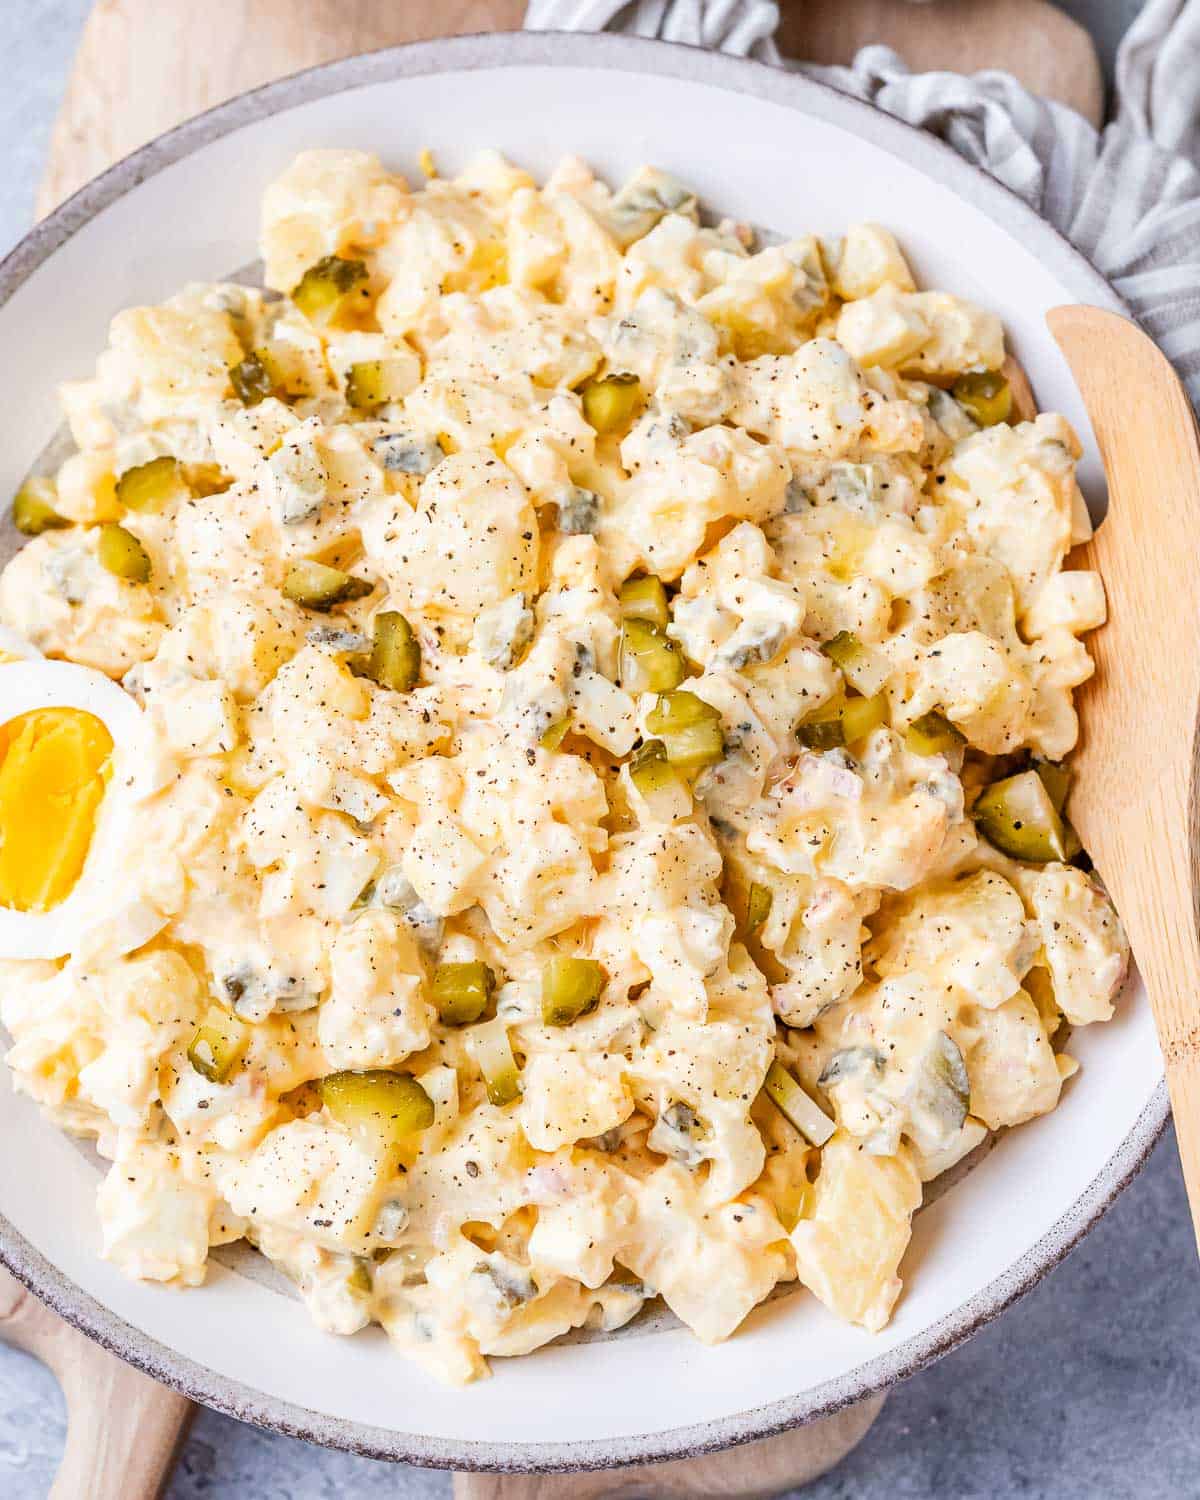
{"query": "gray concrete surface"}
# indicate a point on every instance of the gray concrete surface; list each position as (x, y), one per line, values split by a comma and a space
(1090, 1387)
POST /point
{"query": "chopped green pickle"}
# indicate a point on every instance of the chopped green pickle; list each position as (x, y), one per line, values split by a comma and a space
(822, 733)
(842, 648)
(251, 381)
(610, 401)
(689, 728)
(649, 767)
(1056, 778)
(151, 487)
(395, 659)
(322, 292)
(317, 586)
(281, 372)
(794, 1104)
(359, 1276)
(1018, 816)
(385, 1107)
(33, 508)
(493, 1053)
(570, 989)
(675, 711)
(461, 992)
(650, 661)
(986, 395)
(122, 554)
(941, 1091)
(660, 786)
(555, 735)
(933, 734)
(373, 383)
(645, 599)
(219, 1045)
(864, 668)
(758, 906)
(862, 715)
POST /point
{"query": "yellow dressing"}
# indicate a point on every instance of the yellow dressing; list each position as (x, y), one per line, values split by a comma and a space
(54, 769)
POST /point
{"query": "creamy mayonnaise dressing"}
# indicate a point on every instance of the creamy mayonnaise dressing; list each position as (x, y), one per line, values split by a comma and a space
(312, 843)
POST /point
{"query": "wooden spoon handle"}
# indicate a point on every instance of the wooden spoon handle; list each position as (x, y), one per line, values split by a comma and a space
(123, 1429)
(1135, 802)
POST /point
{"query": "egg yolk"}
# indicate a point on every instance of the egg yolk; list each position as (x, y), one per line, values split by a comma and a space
(54, 769)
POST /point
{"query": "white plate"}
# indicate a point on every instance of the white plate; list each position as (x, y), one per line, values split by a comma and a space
(758, 144)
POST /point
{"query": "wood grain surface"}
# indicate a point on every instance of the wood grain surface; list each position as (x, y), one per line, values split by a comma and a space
(144, 65)
(1137, 781)
(123, 1429)
(751, 1472)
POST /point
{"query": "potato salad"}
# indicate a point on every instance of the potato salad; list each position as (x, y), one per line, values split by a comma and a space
(533, 761)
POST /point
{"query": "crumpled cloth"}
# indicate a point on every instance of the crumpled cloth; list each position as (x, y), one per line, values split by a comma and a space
(1128, 195)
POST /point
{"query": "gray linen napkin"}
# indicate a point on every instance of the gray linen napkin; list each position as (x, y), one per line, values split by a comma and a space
(1128, 196)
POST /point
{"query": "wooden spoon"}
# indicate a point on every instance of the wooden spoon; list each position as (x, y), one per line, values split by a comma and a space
(1136, 782)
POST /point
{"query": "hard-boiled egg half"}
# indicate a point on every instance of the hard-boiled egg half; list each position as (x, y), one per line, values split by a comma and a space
(70, 741)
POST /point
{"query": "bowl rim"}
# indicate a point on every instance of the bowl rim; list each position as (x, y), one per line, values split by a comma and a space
(808, 96)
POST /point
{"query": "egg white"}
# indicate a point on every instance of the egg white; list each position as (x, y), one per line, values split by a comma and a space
(14, 645)
(29, 685)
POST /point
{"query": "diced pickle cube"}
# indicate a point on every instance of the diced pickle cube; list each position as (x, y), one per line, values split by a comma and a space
(1018, 816)
(609, 401)
(1056, 778)
(395, 658)
(648, 195)
(324, 290)
(461, 992)
(570, 989)
(758, 906)
(251, 381)
(645, 599)
(665, 793)
(680, 710)
(794, 1104)
(842, 648)
(940, 1093)
(375, 382)
(933, 734)
(861, 715)
(823, 730)
(33, 508)
(384, 1107)
(317, 586)
(690, 730)
(284, 370)
(986, 395)
(557, 732)
(151, 487)
(122, 554)
(650, 661)
(863, 667)
(359, 1277)
(219, 1045)
(493, 1053)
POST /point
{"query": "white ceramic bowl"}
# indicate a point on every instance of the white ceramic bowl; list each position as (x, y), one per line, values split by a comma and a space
(761, 145)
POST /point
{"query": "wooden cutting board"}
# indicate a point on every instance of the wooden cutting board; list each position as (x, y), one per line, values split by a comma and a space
(144, 65)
